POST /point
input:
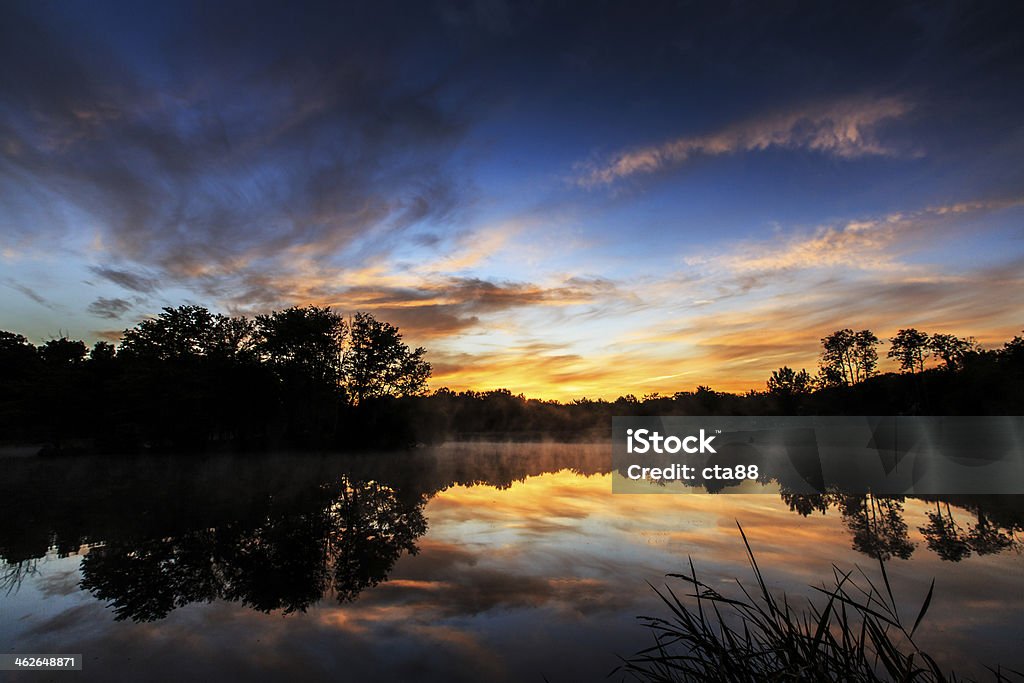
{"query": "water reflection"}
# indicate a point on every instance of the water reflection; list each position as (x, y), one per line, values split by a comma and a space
(522, 539)
(270, 532)
(983, 525)
(280, 532)
(343, 538)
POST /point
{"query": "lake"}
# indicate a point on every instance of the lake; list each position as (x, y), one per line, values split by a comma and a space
(497, 561)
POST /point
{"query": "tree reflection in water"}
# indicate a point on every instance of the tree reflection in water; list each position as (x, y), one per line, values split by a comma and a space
(280, 532)
(287, 560)
(878, 529)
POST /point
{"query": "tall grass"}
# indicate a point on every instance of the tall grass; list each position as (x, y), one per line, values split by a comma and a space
(854, 632)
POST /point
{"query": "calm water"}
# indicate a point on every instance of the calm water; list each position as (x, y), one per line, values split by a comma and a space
(497, 561)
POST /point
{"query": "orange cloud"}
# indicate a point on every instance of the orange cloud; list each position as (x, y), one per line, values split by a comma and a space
(844, 128)
(866, 244)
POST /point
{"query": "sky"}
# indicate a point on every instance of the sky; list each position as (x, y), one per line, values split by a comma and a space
(563, 199)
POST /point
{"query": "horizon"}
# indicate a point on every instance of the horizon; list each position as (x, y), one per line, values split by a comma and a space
(886, 365)
(563, 201)
(930, 358)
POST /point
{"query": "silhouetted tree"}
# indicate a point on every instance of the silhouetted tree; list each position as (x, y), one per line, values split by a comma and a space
(377, 363)
(60, 388)
(849, 355)
(303, 340)
(63, 352)
(830, 376)
(102, 352)
(186, 331)
(1014, 349)
(788, 382)
(15, 350)
(950, 349)
(707, 399)
(789, 386)
(865, 353)
(909, 347)
(191, 378)
(19, 375)
(302, 346)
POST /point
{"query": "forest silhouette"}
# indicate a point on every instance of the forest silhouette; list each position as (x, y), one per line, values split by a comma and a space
(188, 380)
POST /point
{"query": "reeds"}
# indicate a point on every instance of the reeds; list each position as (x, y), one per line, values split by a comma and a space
(853, 633)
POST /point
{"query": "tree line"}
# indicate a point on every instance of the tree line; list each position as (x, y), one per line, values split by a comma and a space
(189, 379)
(851, 358)
(848, 357)
(940, 374)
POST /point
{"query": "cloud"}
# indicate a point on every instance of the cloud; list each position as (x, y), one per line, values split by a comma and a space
(856, 244)
(451, 305)
(866, 244)
(470, 249)
(109, 308)
(29, 292)
(845, 129)
(127, 279)
(425, 305)
(112, 336)
(253, 151)
(479, 590)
